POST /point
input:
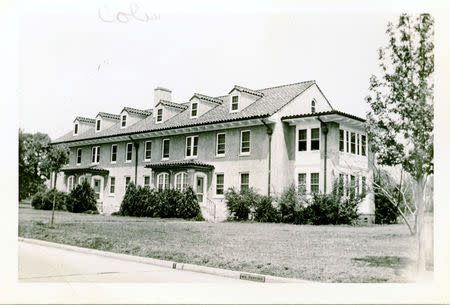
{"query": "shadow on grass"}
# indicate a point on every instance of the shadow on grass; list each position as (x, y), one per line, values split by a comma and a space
(394, 262)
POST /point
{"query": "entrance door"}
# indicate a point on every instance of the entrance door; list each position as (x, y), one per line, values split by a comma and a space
(200, 189)
(97, 188)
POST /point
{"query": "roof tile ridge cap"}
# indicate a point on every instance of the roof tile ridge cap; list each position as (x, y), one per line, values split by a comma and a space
(306, 81)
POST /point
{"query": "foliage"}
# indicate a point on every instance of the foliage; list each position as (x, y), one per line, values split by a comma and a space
(145, 202)
(388, 197)
(82, 199)
(292, 206)
(333, 209)
(239, 205)
(265, 211)
(43, 200)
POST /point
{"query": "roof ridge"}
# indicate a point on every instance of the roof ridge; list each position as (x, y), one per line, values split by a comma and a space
(306, 81)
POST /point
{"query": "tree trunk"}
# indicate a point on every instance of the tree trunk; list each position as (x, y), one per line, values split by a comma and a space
(420, 223)
(54, 198)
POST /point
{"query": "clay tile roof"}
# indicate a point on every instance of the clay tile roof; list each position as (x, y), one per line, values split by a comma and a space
(305, 115)
(138, 111)
(246, 90)
(207, 98)
(172, 104)
(178, 164)
(109, 115)
(84, 169)
(85, 120)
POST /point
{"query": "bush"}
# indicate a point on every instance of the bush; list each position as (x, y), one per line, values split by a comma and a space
(240, 204)
(43, 200)
(292, 207)
(82, 199)
(385, 211)
(265, 211)
(189, 207)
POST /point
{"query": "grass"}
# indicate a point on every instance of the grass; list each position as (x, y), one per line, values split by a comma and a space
(318, 253)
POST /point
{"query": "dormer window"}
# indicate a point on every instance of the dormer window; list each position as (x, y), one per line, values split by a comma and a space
(159, 115)
(194, 107)
(123, 122)
(313, 106)
(75, 131)
(97, 125)
(234, 103)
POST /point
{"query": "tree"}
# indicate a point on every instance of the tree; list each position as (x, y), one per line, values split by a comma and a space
(400, 121)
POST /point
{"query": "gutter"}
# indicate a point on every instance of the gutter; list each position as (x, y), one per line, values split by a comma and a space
(269, 171)
(324, 128)
(136, 149)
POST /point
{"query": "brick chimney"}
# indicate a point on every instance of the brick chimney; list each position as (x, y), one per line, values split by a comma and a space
(162, 94)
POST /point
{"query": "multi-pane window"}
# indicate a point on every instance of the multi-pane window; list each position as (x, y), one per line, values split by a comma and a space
(97, 125)
(363, 186)
(314, 182)
(352, 186)
(70, 183)
(127, 182)
(234, 103)
(194, 107)
(96, 154)
(113, 153)
(112, 185)
(341, 185)
(181, 181)
(315, 139)
(352, 142)
(347, 140)
(245, 142)
(148, 150)
(159, 115)
(162, 181)
(124, 120)
(146, 181)
(244, 181)
(219, 184)
(79, 155)
(363, 145)
(357, 143)
(75, 131)
(191, 146)
(165, 148)
(220, 149)
(302, 140)
(341, 140)
(301, 183)
(129, 152)
(313, 106)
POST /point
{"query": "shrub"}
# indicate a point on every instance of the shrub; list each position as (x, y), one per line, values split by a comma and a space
(43, 200)
(189, 207)
(82, 199)
(240, 204)
(265, 211)
(292, 206)
(385, 211)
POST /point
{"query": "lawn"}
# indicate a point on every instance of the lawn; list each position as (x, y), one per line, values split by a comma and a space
(318, 253)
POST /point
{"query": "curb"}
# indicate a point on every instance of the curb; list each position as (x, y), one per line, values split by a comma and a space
(170, 264)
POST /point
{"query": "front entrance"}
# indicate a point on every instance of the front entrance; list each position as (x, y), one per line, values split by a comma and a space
(200, 188)
(96, 187)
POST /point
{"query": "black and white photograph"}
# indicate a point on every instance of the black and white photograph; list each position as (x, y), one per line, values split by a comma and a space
(225, 152)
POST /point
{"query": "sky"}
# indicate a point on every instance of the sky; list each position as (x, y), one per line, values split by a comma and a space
(79, 61)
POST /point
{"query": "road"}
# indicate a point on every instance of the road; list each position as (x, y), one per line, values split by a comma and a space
(39, 263)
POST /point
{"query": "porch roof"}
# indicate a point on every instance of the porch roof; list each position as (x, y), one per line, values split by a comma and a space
(179, 164)
(84, 169)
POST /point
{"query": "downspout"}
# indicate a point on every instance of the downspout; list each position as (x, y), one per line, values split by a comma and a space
(269, 133)
(136, 148)
(324, 128)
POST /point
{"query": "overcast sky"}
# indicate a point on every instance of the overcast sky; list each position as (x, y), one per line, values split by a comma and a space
(72, 63)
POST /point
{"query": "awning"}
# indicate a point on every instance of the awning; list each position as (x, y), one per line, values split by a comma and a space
(183, 164)
(94, 169)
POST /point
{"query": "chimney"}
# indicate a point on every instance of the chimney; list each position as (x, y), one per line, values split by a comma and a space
(162, 94)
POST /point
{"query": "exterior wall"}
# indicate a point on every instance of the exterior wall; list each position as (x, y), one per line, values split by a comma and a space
(202, 107)
(131, 118)
(245, 99)
(106, 122)
(82, 127)
(302, 103)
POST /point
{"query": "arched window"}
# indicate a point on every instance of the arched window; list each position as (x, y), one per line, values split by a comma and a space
(313, 106)
(181, 181)
(162, 181)
(81, 179)
(70, 182)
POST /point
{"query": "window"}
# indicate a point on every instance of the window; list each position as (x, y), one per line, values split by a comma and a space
(165, 148)
(162, 181)
(352, 143)
(146, 181)
(181, 181)
(352, 186)
(75, 130)
(245, 142)
(234, 103)
(81, 179)
(315, 139)
(347, 140)
(127, 182)
(96, 154)
(129, 152)
(302, 140)
(314, 182)
(194, 110)
(363, 145)
(191, 146)
(112, 185)
(219, 184)
(357, 143)
(124, 121)
(363, 186)
(220, 144)
(301, 188)
(341, 185)
(159, 115)
(113, 153)
(313, 106)
(97, 125)
(70, 183)
(148, 150)
(244, 181)
(357, 185)
(79, 155)
(341, 140)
